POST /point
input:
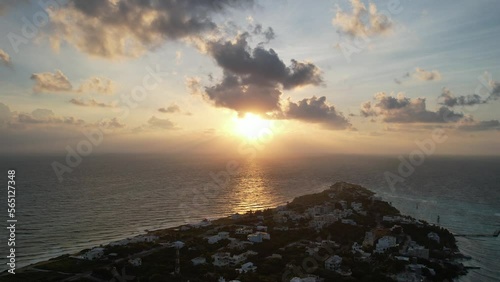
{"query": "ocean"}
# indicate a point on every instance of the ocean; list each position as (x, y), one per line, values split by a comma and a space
(111, 197)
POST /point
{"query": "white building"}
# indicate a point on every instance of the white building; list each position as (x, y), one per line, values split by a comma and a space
(199, 260)
(93, 254)
(349, 221)
(433, 236)
(385, 243)
(247, 267)
(261, 228)
(333, 263)
(244, 230)
(257, 237)
(135, 262)
(221, 259)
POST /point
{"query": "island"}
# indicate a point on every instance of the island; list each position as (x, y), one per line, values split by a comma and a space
(345, 233)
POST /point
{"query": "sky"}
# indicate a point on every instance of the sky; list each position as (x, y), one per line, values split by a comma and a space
(221, 76)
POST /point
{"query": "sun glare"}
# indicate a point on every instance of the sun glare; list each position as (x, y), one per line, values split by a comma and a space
(251, 126)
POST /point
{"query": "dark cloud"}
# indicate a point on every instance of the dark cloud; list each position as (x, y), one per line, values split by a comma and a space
(316, 110)
(47, 117)
(5, 114)
(109, 28)
(268, 33)
(90, 103)
(449, 100)
(253, 78)
(170, 109)
(479, 125)
(401, 109)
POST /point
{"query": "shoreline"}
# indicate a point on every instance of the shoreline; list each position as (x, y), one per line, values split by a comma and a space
(176, 229)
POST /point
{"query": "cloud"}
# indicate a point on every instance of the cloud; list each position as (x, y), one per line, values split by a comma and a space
(5, 58)
(401, 109)
(57, 82)
(112, 123)
(316, 110)
(5, 113)
(158, 123)
(361, 21)
(268, 33)
(47, 117)
(174, 108)
(99, 85)
(193, 85)
(253, 78)
(472, 125)
(127, 28)
(422, 74)
(449, 100)
(51, 82)
(90, 103)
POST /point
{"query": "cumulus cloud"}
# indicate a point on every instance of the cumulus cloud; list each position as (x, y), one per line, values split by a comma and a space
(361, 21)
(90, 103)
(57, 82)
(174, 108)
(127, 28)
(401, 109)
(422, 74)
(253, 78)
(51, 82)
(316, 110)
(159, 123)
(448, 99)
(268, 33)
(5, 58)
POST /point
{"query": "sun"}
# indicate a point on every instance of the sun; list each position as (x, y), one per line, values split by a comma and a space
(251, 126)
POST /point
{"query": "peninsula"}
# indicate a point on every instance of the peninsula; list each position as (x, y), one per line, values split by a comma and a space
(345, 233)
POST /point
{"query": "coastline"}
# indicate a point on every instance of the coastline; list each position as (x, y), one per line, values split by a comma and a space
(159, 243)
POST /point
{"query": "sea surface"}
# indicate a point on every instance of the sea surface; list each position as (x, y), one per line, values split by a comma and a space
(111, 197)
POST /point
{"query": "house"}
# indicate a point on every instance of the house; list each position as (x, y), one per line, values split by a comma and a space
(199, 260)
(213, 239)
(135, 261)
(349, 221)
(309, 278)
(261, 228)
(281, 228)
(369, 239)
(223, 235)
(333, 263)
(93, 254)
(178, 244)
(238, 245)
(433, 236)
(385, 243)
(244, 230)
(247, 267)
(221, 259)
(257, 237)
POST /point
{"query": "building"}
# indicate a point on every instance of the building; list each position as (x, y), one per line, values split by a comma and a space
(349, 221)
(369, 239)
(261, 228)
(257, 237)
(244, 230)
(93, 254)
(385, 243)
(221, 259)
(135, 261)
(199, 260)
(333, 263)
(433, 236)
(247, 267)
